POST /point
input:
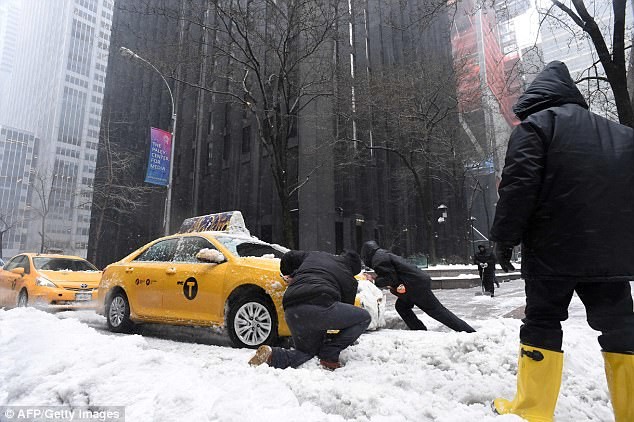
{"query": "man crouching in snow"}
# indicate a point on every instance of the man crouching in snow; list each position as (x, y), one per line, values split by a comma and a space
(567, 194)
(411, 285)
(320, 297)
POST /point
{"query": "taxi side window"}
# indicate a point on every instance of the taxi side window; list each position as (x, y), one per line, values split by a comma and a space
(20, 261)
(13, 263)
(188, 247)
(257, 249)
(162, 251)
(26, 264)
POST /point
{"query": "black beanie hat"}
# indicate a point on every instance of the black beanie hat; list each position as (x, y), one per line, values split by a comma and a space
(291, 261)
(368, 250)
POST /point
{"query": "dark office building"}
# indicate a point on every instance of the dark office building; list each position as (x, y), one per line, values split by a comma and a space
(341, 192)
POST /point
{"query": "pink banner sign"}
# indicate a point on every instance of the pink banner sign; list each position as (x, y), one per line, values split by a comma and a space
(158, 168)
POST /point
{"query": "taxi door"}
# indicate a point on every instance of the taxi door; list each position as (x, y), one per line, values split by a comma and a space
(194, 292)
(146, 277)
(9, 282)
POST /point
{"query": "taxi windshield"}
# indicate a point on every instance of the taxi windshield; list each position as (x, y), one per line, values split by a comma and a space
(249, 247)
(62, 264)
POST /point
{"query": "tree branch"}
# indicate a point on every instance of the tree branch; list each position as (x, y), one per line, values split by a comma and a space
(591, 78)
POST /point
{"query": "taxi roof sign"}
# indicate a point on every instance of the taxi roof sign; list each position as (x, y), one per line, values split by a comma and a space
(230, 221)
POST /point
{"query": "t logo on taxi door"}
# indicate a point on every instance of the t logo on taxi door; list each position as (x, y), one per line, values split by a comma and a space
(190, 288)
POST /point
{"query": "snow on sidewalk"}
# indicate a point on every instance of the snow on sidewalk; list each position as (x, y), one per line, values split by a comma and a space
(390, 375)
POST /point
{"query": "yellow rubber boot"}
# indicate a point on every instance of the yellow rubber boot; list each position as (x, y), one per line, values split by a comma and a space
(538, 382)
(619, 370)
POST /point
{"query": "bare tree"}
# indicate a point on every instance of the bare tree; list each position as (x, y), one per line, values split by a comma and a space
(55, 193)
(117, 193)
(43, 185)
(608, 37)
(284, 52)
(274, 58)
(418, 106)
(8, 221)
(271, 58)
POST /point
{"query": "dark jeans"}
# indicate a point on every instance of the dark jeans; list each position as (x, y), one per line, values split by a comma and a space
(308, 325)
(427, 302)
(609, 309)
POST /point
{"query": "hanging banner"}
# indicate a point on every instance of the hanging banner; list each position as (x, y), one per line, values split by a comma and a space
(158, 168)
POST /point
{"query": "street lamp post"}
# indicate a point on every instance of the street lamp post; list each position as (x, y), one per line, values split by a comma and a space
(442, 220)
(129, 54)
(472, 221)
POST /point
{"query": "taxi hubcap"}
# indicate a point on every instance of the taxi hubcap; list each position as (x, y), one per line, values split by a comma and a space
(117, 311)
(22, 301)
(253, 323)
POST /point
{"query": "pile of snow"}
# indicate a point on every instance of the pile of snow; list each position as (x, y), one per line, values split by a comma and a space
(373, 300)
(210, 255)
(70, 359)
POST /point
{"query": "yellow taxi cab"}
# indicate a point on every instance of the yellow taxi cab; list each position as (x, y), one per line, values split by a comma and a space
(211, 273)
(48, 280)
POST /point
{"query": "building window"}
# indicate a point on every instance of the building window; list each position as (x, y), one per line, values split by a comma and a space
(79, 56)
(72, 116)
(338, 237)
(246, 139)
(226, 146)
(210, 154)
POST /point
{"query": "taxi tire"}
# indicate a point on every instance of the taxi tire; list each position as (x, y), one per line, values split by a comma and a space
(126, 324)
(23, 299)
(234, 307)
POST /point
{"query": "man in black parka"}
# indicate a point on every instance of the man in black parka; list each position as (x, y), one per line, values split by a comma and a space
(485, 260)
(320, 297)
(567, 194)
(392, 271)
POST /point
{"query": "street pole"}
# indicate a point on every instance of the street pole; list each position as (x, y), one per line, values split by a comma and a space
(127, 53)
(168, 198)
(472, 219)
(442, 220)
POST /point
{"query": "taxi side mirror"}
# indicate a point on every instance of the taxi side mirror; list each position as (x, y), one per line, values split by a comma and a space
(212, 256)
(18, 270)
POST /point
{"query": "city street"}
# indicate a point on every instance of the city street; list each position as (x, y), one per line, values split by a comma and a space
(159, 159)
(169, 373)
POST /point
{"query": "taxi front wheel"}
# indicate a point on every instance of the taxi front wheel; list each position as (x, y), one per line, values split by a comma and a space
(252, 322)
(23, 299)
(118, 313)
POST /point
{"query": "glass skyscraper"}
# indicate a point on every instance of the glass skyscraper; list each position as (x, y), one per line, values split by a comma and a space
(53, 57)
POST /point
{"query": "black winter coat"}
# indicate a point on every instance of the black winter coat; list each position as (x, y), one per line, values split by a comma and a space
(567, 189)
(488, 258)
(392, 270)
(322, 279)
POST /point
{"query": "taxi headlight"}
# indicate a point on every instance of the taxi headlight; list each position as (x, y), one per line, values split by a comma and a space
(41, 281)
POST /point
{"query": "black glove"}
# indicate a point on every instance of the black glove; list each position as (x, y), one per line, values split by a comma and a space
(504, 252)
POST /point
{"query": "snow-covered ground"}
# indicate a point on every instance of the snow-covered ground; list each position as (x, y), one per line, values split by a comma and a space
(172, 374)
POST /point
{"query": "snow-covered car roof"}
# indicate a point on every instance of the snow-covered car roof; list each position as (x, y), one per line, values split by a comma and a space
(228, 224)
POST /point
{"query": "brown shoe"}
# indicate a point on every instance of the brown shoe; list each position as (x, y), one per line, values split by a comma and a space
(262, 355)
(331, 366)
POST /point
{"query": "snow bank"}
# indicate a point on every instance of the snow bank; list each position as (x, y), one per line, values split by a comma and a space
(48, 361)
(390, 375)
